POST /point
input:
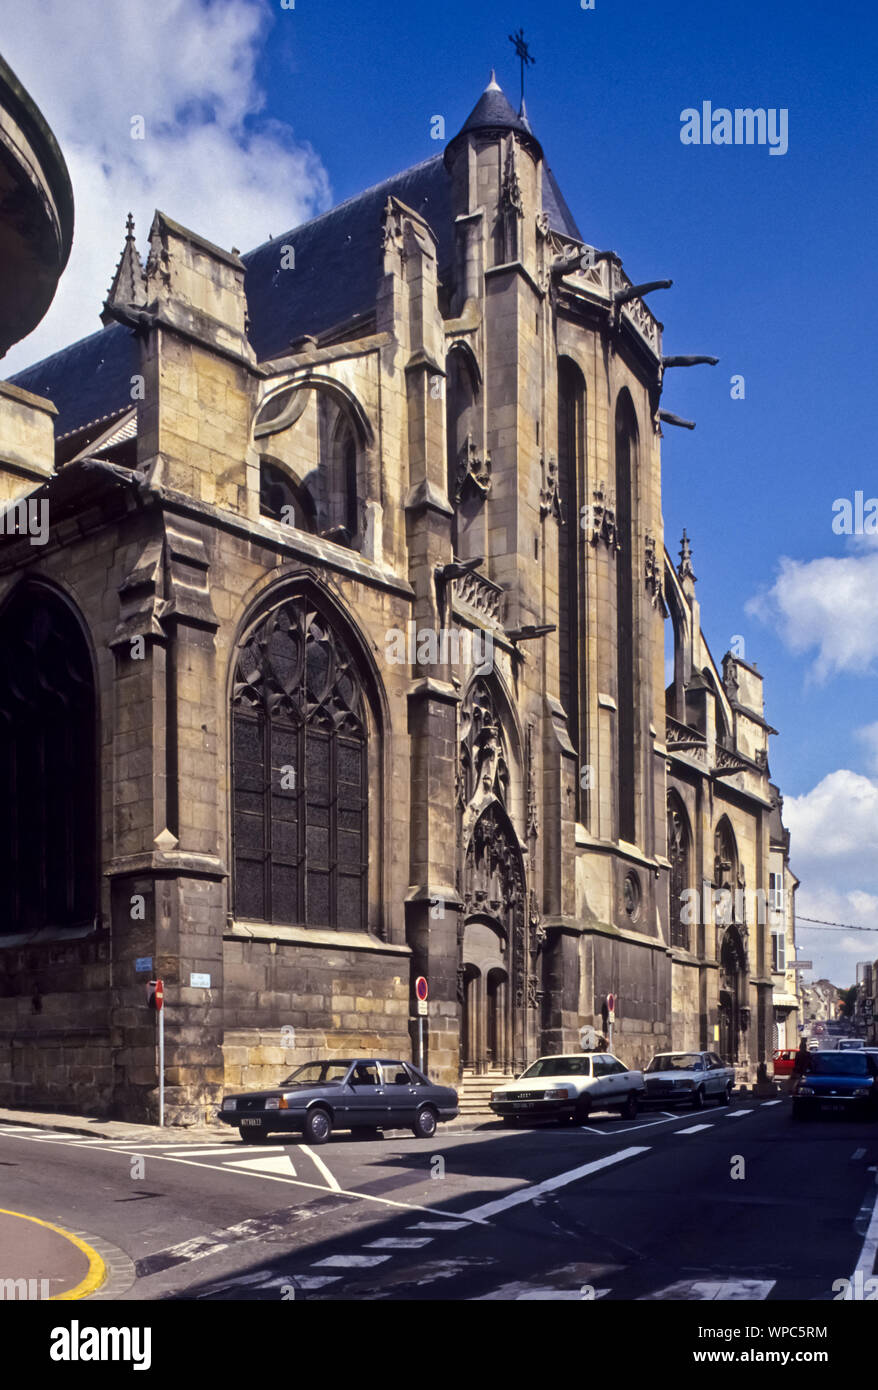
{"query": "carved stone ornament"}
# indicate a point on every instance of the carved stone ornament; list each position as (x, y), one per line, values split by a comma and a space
(392, 229)
(510, 193)
(653, 574)
(550, 497)
(473, 471)
(601, 518)
(532, 825)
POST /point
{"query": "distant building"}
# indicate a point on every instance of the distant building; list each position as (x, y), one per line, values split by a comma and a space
(343, 663)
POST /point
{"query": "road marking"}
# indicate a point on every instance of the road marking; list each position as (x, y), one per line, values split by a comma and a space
(314, 1281)
(858, 1153)
(267, 1163)
(350, 1261)
(735, 1114)
(206, 1153)
(527, 1194)
(771, 1102)
(438, 1226)
(97, 1270)
(693, 1129)
(866, 1263)
(725, 1290)
(399, 1243)
(321, 1167)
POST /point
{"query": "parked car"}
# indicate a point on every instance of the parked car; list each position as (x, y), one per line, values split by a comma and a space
(837, 1080)
(784, 1059)
(362, 1094)
(569, 1089)
(850, 1045)
(690, 1078)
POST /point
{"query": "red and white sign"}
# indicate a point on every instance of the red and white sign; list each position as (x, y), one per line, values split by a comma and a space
(155, 994)
(611, 1003)
(421, 989)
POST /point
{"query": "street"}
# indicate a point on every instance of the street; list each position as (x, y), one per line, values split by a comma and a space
(732, 1203)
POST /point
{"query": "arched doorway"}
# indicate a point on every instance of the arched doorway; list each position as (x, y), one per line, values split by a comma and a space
(485, 1032)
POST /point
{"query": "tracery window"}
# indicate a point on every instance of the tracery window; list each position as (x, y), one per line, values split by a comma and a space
(48, 768)
(299, 774)
(678, 854)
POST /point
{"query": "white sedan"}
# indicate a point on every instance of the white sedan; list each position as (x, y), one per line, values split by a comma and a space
(570, 1089)
(690, 1077)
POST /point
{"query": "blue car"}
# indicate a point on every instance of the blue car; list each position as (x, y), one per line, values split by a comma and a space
(843, 1081)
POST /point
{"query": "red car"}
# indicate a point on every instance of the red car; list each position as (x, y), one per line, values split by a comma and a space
(783, 1061)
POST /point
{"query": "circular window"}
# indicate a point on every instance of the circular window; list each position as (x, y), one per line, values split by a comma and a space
(632, 895)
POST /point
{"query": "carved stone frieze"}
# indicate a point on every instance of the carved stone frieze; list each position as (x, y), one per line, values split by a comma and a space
(550, 497)
(473, 470)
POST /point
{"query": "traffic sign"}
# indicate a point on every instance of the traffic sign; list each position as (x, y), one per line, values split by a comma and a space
(611, 1003)
(421, 989)
(422, 1008)
(155, 994)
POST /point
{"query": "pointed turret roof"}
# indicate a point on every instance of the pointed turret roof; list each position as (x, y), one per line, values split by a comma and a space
(493, 111)
(129, 281)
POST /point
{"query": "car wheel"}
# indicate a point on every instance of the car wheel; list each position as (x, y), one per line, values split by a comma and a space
(726, 1098)
(424, 1126)
(629, 1109)
(253, 1136)
(318, 1126)
(698, 1098)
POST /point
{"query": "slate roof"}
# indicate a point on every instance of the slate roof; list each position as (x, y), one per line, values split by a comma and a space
(335, 278)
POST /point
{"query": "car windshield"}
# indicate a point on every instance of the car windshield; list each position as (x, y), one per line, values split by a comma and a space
(317, 1073)
(675, 1061)
(839, 1064)
(558, 1066)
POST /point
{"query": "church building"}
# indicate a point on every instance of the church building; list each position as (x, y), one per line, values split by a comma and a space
(341, 661)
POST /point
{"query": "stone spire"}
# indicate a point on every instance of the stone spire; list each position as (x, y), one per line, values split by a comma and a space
(129, 282)
(684, 569)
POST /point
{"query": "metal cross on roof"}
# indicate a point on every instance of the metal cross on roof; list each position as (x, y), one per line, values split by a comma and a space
(522, 53)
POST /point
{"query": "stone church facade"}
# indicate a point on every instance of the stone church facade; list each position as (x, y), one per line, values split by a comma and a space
(343, 663)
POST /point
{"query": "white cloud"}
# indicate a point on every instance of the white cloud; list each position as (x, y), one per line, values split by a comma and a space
(834, 852)
(830, 604)
(212, 158)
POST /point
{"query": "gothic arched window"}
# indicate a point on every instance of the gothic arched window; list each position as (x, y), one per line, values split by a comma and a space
(626, 721)
(299, 774)
(571, 570)
(48, 768)
(678, 854)
(282, 499)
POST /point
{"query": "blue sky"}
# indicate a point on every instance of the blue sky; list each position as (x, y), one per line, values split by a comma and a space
(771, 258)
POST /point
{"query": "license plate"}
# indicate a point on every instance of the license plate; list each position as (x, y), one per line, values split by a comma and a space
(526, 1105)
(256, 1123)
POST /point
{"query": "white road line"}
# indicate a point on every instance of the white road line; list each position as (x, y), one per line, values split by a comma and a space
(439, 1226)
(350, 1261)
(858, 1153)
(315, 1281)
(205, 1153)
(866, 1263)
(771, 1102)
(724, 1290)
(693, 1129)
(399, 1243)
(735, 1114)
(528, 1193)
(321, 1167)
(266, 1163)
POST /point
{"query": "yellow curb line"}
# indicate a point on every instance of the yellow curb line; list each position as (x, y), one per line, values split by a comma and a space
(97, 1270)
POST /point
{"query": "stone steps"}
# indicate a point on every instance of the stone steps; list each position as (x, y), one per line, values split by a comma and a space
(474, 1090)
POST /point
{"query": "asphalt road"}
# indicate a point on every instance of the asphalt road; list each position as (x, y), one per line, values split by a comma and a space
(732, 1203)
